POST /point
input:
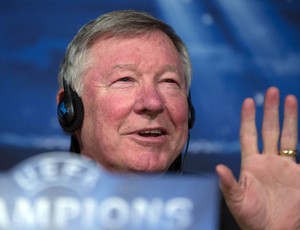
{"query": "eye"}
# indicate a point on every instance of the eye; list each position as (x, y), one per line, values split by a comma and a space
(125, 79)
(123, 82)
(171, 82)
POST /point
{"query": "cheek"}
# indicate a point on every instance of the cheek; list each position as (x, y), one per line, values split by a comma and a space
(107, 114)
(178, 110)
(102, 120)
(179, 116)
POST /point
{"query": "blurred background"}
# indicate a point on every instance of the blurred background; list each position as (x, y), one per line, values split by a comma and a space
(238, 49)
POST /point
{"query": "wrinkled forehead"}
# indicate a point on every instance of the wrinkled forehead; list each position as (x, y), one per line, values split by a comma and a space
(149, 49)
(117, 37)
(154, 43)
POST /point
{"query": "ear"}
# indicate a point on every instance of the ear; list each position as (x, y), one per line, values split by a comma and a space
(59, 95)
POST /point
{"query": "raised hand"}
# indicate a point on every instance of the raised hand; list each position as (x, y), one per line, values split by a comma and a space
(267, 194)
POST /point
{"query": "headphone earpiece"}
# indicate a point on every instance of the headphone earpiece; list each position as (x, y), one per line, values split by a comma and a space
(192, 112)
(70, 109)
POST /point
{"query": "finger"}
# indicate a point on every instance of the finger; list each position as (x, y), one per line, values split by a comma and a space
(248, 131)
(228, 185)
(270, 126)
(289, 135)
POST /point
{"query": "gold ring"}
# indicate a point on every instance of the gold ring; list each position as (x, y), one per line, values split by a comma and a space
(288, 152)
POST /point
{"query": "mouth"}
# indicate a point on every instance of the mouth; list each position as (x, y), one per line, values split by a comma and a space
(152, 133)
(150, 137)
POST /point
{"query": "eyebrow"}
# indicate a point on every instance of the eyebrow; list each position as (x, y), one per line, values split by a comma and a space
(133, 67)
(171, 68)
(124, 66)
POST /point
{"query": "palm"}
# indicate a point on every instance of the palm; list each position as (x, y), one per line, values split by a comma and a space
(267, 193)
(268, 186)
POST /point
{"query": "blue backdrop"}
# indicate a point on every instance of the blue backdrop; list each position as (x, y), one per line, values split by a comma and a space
(238, 48)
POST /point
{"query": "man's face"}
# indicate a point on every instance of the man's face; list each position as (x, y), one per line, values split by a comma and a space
(135, 102)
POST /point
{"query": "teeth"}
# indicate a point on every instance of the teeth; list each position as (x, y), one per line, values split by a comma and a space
(151, 132)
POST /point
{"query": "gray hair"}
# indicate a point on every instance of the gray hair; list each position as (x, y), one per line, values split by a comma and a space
(127, 23)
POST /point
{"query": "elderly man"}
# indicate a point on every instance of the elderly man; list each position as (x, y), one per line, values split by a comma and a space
(124, 96)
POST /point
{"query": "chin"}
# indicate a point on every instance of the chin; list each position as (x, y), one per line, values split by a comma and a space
(150, 168)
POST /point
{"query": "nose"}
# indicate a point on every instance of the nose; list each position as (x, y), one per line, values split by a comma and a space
(149, 101)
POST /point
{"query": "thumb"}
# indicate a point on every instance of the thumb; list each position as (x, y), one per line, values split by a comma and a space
(228, 185)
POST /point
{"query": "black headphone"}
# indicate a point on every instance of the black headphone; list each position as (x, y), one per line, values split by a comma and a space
(70, 110)
(192, 112)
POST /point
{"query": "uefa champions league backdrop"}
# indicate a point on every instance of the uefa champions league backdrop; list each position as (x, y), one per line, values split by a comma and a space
(238, 49)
